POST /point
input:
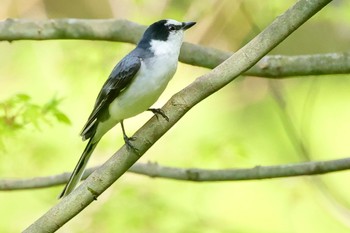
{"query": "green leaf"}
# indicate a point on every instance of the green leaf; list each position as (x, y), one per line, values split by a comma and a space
(23, 97)
(51, 104)
(61, 117)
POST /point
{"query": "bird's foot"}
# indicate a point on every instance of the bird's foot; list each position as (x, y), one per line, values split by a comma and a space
(128, 143)
(128, 140)
(158, 111)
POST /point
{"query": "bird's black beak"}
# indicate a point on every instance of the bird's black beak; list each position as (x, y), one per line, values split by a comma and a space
(187, 25)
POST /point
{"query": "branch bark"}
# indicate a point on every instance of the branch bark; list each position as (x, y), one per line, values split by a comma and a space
(175, 108)
(114, 30)
(155, 170)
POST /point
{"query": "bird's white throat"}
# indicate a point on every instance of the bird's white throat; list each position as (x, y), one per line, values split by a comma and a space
(171, 46)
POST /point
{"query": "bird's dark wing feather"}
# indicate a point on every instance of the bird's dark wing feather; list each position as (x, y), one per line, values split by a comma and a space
(118, 80)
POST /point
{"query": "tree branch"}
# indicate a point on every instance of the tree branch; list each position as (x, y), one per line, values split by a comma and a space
(175, 108)
(114, 30)
(155, 170)
(281, 66)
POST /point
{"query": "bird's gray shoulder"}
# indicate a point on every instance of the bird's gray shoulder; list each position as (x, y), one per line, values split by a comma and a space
(129, 64)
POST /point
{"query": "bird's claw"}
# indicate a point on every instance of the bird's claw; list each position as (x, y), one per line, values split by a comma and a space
(128, 143)
(158, 111)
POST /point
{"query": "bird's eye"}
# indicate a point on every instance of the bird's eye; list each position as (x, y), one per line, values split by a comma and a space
(171, 28)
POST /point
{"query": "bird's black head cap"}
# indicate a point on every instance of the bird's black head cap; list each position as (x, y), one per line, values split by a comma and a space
(161, 30)
(157, 31)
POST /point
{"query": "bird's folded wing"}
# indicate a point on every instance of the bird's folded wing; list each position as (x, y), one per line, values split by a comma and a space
(118, 80)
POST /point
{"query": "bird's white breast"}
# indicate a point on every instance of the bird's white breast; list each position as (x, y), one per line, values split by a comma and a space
(149, 83)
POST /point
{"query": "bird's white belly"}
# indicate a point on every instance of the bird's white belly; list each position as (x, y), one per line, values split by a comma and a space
(143, 92)
(145, 89)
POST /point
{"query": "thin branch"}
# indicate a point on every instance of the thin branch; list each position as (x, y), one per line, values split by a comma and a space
(155, 170)
(175, 109)
(114, 30)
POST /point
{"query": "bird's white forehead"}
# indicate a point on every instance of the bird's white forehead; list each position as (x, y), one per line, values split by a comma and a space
(172, 22)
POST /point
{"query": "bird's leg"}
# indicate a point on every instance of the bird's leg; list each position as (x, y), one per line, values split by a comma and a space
(128, 140)
(158, 111)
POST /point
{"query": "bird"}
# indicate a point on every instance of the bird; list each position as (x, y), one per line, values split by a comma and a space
(134, 85)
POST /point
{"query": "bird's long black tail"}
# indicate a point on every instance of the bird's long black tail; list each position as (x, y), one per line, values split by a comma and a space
(79, 168)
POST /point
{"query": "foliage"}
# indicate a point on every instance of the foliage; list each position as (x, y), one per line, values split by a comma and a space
(19, 112)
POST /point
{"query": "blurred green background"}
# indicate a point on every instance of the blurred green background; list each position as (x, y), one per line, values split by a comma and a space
(252, 121)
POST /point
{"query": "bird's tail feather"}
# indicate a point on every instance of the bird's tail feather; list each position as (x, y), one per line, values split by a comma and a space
(79, 168)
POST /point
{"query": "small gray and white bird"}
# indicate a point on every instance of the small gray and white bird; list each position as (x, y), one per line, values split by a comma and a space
(134, 85)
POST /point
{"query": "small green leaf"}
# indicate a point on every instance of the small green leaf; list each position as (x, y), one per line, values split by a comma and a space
(51, 104)
(61, 117)
(23, 97)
